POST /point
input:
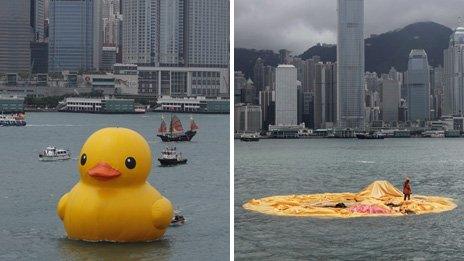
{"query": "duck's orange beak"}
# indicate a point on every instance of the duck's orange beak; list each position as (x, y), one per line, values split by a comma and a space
(103, 171)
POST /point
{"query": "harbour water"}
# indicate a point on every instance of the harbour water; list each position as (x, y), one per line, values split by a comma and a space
(282, 167)
(30, 190)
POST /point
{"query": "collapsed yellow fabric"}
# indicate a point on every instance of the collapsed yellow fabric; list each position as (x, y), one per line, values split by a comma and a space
(380, 198)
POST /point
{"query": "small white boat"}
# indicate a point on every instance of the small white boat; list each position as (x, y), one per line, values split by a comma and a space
(170, 157)
(53, 154)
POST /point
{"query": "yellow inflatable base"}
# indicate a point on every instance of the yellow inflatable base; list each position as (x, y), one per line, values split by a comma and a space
(379, 199)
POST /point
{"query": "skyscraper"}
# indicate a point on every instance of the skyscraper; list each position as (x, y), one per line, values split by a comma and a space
(16, 34)
(286, 95)
(176, 32)
(453, 102)
(350, 64)
(75, 35)
(418, 86)
(140, 31)
(171, 32)
(391, 93)
(206, 33)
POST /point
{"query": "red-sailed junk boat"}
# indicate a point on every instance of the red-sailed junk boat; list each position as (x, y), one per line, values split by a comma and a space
(176, 131)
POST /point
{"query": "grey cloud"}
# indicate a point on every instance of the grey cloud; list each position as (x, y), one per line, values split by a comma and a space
(299, 24)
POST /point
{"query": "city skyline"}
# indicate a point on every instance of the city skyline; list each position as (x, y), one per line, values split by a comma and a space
(265, 25)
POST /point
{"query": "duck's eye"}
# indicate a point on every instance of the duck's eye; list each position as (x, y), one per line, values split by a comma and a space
(130, 162)
(83, 159)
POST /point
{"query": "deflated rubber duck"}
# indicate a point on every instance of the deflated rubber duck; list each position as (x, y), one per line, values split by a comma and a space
(113, 201)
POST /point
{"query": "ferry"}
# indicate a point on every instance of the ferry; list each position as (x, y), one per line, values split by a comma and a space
(170, 157)
(370, 136)
(12, 120)
(433, 134)
(249, 137)
(176, 131)
(53, 154)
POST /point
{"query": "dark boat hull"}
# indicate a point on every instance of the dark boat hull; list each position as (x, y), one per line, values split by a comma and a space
(172, 162)
(369, 137)
(187, 136)
(249, 139)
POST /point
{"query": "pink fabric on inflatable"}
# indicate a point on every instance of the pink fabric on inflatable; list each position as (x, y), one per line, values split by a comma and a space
(368, 209)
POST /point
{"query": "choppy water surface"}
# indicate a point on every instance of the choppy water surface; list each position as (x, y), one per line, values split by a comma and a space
(273, 167)
(30, 190)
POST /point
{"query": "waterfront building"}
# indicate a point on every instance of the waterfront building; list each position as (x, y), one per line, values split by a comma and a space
(98, 105)
(11, 104)
(391, 93)
(350, 64)
(75, 35)
(247, 118)
(269, 77)
(418, 84)
(183, 81)
(249, 93)
(286, 95)
(104, 83)
(453, 100)
(126, 79)
(190, 104)
(16, 34)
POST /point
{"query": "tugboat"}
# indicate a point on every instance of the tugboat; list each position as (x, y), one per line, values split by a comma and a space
(170, 157)
(176, 131)
(370, 136)
(12, 120)
(178, 219)
(249, 137)
(53, 154)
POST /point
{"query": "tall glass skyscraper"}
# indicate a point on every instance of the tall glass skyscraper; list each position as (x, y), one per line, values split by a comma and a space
(16, 34)
(454, 74)
(74, 35)
(418, 86)
(171, 32)
(350, 64)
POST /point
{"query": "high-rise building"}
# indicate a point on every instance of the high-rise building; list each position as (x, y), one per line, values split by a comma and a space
(350, 61)
(74, 35)
(140, 31)
(453, 100)
(38, 19)
(267, 103)
(171, 32)
(247, 118)
(325, 95)
(239, 86)
(206, 33)
(286, 95)
(418, 81)
(176, 33)
(258, 74)
(391, 94)
(16, 34)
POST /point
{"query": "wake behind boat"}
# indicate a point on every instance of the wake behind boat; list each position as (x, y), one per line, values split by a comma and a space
(53, 154)
(176, 131)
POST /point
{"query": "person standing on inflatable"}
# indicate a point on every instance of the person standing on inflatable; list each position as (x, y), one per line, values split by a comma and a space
(407, 191)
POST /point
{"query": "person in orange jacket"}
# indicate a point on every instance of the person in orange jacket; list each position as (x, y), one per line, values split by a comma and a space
(407, 191)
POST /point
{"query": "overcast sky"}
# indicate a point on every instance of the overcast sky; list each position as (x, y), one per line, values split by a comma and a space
(297, 25)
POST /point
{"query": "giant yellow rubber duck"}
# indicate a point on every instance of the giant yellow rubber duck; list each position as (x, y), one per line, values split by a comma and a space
(113, 201)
